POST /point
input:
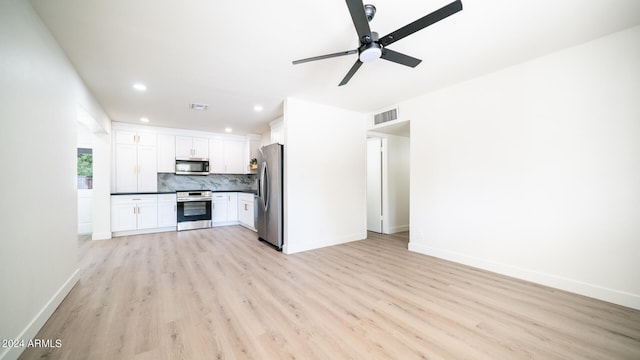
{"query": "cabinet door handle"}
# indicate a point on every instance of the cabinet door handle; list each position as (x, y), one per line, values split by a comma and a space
(245, 207)
(134, 210)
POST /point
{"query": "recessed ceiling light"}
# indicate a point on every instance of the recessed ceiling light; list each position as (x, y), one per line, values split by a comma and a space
(140, 87)
(144, 119)
(228, 129)
(258, 108)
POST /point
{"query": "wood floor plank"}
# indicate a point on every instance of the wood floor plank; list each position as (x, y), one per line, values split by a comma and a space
(221, 294)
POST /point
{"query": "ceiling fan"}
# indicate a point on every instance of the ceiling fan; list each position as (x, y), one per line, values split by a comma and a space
(372, 46)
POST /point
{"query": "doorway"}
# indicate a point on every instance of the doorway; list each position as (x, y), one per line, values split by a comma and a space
(85, 188)
(388, 169)
(92, 173)
(374, 185)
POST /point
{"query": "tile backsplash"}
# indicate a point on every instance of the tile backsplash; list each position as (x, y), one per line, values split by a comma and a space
(171, 182)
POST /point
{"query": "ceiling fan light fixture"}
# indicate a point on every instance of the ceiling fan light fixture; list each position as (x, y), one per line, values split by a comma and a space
(372, 52)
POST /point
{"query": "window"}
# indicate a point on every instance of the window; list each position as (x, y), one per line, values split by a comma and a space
(85, 168)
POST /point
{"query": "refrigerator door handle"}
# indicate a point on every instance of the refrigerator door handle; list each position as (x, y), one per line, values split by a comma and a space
(264, 186)
(267, 187)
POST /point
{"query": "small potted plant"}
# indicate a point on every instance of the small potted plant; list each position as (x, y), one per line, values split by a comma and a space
(253, 164)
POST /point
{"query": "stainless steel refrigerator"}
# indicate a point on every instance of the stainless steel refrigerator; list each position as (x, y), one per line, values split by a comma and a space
(270, 195)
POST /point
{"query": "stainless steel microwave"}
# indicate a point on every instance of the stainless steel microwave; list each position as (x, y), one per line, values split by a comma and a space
(192, 166)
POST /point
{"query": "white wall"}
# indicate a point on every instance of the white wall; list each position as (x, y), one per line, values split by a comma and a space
(39, 95)
(534, 171)
(325, 176)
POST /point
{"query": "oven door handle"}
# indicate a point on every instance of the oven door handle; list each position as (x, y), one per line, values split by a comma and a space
(192, 200)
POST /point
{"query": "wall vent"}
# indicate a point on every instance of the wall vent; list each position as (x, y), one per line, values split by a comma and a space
(195, 106)
(383, 117)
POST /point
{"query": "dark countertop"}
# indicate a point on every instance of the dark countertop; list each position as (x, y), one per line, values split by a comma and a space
(144, 193)
(254, 192)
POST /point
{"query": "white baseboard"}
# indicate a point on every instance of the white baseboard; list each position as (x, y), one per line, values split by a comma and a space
(397, 229)
(101, 236)
(225, 223)
(142, 232)
(31, 330)
(554, 281)
(296, 248)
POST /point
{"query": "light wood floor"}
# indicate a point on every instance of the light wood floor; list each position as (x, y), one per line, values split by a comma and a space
(219, 293)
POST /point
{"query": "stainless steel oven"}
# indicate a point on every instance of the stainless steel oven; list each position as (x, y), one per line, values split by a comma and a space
(194, 209)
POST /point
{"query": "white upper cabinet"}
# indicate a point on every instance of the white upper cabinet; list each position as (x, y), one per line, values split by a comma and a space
(141, 152)
(234, 157)
(192, 147)
(227, 156)
(135, 162)
(166, 153)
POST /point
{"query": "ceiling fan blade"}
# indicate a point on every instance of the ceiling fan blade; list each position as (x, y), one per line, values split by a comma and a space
(353, 70)
(360, 22)
(422, 23)
(400, 58)
(349, 52)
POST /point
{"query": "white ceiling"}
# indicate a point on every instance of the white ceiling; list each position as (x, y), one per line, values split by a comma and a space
(232, 55)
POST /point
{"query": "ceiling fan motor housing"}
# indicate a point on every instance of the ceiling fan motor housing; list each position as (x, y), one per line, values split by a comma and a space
(369, 11)
(370, 50)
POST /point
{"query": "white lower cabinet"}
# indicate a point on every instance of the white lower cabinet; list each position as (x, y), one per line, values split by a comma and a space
(224, 208)
(133, 212)
(246, 210)
(141, 214)
(167, 210)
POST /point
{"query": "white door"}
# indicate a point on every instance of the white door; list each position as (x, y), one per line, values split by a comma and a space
(85, 181)
(374, 184)
(85, 212)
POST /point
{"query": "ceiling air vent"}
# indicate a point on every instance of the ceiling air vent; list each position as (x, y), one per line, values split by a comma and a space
(383, 117)
(195, 106)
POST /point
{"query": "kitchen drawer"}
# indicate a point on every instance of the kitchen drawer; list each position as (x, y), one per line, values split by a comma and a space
(166, 198)
(245, 197)
(124, 199)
